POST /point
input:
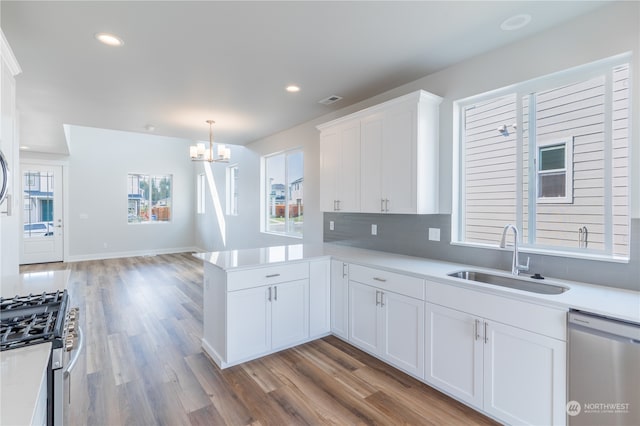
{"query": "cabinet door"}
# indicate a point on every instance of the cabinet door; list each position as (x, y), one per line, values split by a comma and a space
(319, 298)
(524, 379)
(371, 164)
(340, 299)
(289, 313)
(399, 151)
(454, 351)
(249, 324)
(363, 316)
(330, 163)
(403, 329)
(348, 185)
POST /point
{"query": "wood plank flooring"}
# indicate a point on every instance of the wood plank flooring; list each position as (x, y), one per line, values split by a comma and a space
(142, 362)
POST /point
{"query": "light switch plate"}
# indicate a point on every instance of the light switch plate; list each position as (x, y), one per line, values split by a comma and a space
(332, 225)
(374, 229)
(434, 234)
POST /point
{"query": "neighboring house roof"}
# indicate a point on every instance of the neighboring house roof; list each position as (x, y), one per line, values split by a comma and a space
(38, 193)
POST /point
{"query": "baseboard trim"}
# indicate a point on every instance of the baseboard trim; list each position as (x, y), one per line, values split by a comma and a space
(135, 253)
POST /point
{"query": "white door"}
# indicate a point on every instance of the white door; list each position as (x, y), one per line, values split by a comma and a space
(454, 353)
(249, 323)
(403, 328)
(524, 376)
(42, 234)
(371, 165)
(340, 299)
(363, 316)
(289, 313)
(330, 153)
(399, 160)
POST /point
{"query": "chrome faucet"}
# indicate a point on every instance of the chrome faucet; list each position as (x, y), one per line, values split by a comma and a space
(515, 266)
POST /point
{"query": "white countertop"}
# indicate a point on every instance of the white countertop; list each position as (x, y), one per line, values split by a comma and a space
(33, 283)
(24, 369)
(602, 300)
(22, 372)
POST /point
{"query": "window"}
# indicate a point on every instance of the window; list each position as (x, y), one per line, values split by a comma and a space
(200, 194)
(555, 171)
(149, 198)
(232, 190)
(283, 193)
(550, 156)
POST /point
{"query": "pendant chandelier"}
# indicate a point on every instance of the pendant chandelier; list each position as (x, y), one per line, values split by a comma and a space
(198, 152)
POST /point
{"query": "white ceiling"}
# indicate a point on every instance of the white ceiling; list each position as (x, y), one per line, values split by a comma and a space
(185, 62)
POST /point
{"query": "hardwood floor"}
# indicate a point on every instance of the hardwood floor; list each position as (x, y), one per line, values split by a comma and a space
(142, 362)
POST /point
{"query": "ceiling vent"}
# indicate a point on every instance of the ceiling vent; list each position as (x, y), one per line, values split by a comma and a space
(330, 100)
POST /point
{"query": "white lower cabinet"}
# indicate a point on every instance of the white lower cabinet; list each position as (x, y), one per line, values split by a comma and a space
(253, 312)
(514, 375)
(388, 324)
(340, 299)
(266, 318)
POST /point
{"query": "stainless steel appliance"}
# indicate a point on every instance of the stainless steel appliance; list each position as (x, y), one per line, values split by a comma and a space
(4, 177)
(603, 371)
(35, 319)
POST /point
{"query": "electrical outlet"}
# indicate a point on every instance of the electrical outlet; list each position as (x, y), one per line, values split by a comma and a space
(434, 234)
(374, 229)
(332, 225)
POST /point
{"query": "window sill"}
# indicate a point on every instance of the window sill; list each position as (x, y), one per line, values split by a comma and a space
(547, 252)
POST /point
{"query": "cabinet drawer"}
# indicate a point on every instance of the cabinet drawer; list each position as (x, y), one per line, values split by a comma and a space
(238, 280)
(529, 316)
(391, 281)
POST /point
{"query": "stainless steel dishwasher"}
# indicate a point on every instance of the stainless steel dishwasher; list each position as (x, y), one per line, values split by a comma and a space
(603, 371)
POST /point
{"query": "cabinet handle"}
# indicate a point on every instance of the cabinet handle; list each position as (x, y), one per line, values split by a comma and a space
(486, 336)
(275, 293)
(377, 298)
(334, 206)
(386, 205)
(269, 299)
(344, 267)
(477, 322)
(338, 201)
(381, 299)
(382, 280)
(382, 205)
(272, 275)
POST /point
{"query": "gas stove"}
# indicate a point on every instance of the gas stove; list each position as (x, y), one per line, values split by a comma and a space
(42, 318)
(33, 319)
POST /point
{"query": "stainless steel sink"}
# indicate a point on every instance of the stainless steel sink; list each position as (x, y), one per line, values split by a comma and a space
(518, 283)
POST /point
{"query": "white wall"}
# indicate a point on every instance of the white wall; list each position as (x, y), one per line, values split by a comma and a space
(608, 31)
(97, 194)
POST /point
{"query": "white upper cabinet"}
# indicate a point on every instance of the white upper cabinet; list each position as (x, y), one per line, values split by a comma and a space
(340, 168)
(397, 161)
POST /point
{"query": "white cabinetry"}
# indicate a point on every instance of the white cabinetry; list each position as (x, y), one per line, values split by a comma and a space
(319, 298)
(10, 227)
(340, 168)
(505, 357)
(340, 299)
(386, 316)
(250, 313)
(399, 156)
(396, 159)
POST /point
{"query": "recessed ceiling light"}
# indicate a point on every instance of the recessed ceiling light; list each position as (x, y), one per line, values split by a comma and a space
(24, 148)
(109, 39)
(292, 88)
(516, 22)
(150, 128)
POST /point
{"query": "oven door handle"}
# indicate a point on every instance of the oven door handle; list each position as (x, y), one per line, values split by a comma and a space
(72, 363)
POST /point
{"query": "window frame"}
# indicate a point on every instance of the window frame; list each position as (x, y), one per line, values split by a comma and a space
(232, 208)
(201, 199)
(567, 170)
(265, 192)
(521, 90)
(150, 177)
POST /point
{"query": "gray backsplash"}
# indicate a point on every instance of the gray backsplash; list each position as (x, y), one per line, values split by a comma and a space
(408, 234)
